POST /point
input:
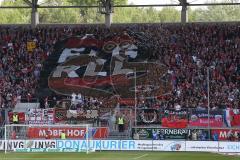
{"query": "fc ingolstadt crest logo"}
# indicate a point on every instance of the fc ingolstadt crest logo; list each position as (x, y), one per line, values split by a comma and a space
(108, 67)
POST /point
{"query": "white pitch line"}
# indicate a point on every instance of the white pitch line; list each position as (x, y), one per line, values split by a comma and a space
(140, 156)
(62, 158)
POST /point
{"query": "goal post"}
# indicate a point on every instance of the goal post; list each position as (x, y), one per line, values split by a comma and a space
(47, 138)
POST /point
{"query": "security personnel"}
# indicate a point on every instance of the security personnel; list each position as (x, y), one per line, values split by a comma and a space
(63, 135)
(120, 124)
(15, 118)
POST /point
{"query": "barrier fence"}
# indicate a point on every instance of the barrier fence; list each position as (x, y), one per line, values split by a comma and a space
(142, 133)
(169, 118)
(191, 117)
(2, 129)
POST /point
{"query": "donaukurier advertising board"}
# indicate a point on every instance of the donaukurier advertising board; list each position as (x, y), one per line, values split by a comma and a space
(140, 145)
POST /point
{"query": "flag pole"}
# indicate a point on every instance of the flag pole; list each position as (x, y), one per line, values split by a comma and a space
(208, 98)
(135, 96)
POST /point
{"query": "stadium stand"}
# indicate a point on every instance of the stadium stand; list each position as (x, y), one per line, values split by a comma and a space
(187, 51)
(28, 56)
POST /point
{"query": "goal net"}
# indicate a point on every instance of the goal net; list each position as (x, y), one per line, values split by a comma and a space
(48, 138)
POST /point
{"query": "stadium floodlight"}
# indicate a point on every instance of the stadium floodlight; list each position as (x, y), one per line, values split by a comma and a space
(47, 138)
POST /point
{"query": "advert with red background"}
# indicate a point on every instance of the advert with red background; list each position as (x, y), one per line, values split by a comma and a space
(71, 133)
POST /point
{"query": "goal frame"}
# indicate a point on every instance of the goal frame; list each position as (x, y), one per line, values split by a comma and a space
(87, 126)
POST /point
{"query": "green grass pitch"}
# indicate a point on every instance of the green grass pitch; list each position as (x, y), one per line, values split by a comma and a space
(118, 155)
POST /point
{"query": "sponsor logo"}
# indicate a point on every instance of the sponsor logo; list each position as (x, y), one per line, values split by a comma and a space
(176, 147)
(173, 146)
(143, 133)
(106, 68)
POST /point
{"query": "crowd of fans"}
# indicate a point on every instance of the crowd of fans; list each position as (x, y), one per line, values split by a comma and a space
(187, 51)
(20, 68)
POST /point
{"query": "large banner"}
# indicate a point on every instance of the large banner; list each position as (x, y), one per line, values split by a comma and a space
(162, 133)
(199, 118)
(175, 118)
(71, 133)
(74, 70)
(40, 116)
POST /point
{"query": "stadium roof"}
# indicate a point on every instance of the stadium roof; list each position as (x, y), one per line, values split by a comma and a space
(136, 3)
(106, 6)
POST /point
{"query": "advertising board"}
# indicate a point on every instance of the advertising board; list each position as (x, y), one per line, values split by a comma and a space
(111, 145)
(71, 133)
(162, 133)
(202, 146)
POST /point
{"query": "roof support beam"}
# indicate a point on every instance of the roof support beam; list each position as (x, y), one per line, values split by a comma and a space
(125, 6)
(184, 13)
